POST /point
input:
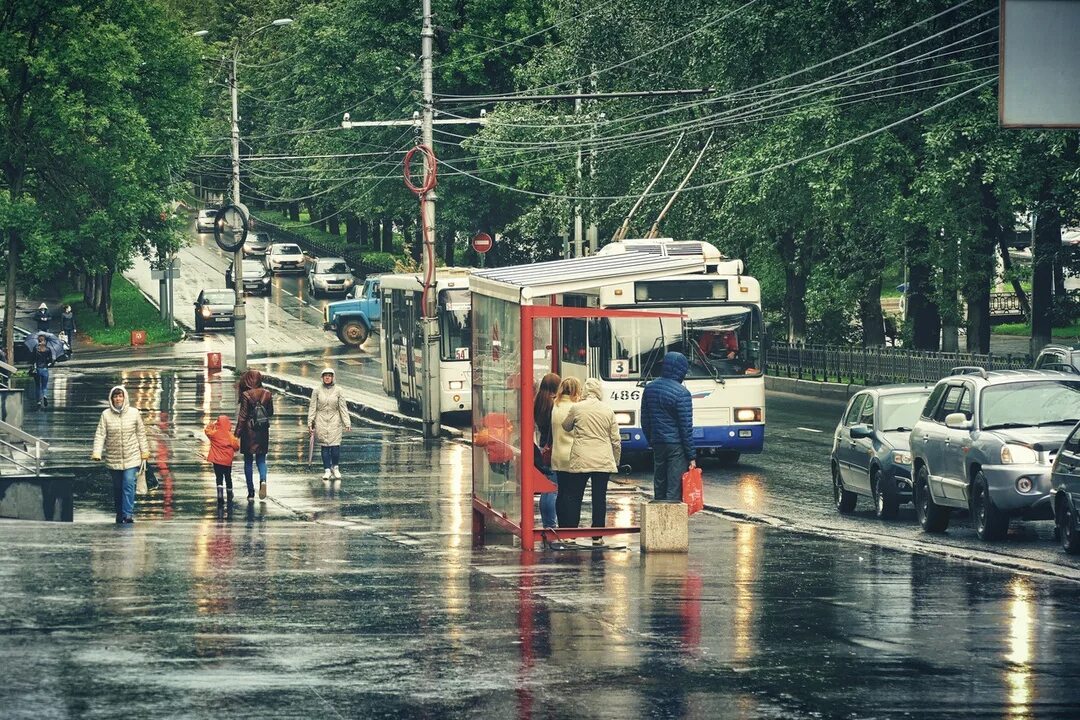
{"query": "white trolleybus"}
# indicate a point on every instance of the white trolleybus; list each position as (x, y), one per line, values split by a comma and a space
(720, 331)
(402, 339)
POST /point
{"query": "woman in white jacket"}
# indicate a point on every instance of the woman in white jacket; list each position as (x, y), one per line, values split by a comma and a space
(594, 455)
(328, 416)
(121, 442)
(561, 443)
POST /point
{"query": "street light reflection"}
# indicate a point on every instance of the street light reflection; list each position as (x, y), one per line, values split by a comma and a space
(750, 491)
(746, 570)
(1021, 644)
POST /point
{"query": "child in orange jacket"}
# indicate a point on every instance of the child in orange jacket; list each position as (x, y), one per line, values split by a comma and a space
(223, 447)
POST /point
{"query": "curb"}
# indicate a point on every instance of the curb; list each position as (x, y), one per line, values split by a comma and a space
(814, 388)
(300, 390)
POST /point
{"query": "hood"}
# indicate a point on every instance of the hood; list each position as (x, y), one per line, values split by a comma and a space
(108, 399)
(42, 306)
(250, 380)
(330, 372)
(675, 366)
(224, 422)
(1040, 439)
(592, 389)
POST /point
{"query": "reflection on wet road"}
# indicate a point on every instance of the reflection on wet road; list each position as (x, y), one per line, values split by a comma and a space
(366, 598)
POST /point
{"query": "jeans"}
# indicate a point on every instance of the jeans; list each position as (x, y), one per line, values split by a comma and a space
(123, 482)
(669, 464)
(548, 513)
(331, 456)
(260, 461)
(42, 382)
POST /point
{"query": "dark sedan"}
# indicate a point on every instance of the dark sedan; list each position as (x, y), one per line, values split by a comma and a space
(871, 454)
(256, 277)
(1065, 490)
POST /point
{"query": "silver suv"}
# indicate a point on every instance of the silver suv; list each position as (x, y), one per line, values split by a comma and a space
(985, 442)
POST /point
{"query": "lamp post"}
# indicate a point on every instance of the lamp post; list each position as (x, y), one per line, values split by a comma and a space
(239, 311)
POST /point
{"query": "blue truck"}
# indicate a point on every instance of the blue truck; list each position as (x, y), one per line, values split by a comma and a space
(354, 318)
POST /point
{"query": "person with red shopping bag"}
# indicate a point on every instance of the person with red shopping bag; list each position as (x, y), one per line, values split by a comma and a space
(667, 420)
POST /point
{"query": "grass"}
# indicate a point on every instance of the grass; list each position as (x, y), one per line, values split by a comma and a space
(131, 311)
(1024, 329)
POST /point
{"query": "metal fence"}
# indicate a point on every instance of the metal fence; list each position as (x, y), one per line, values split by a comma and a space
(877, 365)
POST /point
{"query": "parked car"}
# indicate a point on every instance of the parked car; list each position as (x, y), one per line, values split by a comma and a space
(214, 308)
(204, 223)
(256, 277)
(353, 318)
(257, 244)
(329, 276)
(871, 455)
(1065, 489)
(1059, 357)
(23, 354)
(285, 257)
(985, 441)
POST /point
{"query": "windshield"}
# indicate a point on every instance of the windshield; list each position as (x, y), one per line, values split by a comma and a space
(287, 249)
(1030, 404)
(455, 324)
(221, 297)
(899, 412)
(338, 266)
(718, 340)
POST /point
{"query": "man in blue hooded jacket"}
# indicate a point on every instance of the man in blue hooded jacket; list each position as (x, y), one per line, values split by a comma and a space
(667, 419)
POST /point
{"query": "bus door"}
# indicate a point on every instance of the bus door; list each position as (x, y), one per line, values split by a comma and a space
(414, 346)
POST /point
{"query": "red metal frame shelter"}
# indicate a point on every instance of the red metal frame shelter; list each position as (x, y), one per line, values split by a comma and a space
(513, 290)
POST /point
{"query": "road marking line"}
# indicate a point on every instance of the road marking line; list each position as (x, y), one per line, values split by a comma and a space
(809, 429)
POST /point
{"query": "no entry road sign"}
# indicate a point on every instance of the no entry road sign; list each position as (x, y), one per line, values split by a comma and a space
(482, 242)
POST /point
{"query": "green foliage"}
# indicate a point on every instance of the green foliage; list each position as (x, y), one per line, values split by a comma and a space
(131, 311)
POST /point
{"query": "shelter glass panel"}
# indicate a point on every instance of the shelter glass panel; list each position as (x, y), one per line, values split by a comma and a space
(496, 354)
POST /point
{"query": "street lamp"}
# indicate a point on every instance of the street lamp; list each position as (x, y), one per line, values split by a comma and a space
(239, 311)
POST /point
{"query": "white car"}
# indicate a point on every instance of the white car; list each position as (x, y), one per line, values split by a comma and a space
(285, 257)
(205, 222)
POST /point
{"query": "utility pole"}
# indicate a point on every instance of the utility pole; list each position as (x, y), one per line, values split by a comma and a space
(592, 234)
(579, 223)
(239, 311)
(429, 404)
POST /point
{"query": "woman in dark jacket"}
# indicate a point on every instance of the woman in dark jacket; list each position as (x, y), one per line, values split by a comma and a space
(253, 427)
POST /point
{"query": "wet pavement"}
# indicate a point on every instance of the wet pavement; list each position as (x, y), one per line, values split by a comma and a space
(367, 598)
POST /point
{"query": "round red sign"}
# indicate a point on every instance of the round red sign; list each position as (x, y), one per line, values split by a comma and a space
(482, 242)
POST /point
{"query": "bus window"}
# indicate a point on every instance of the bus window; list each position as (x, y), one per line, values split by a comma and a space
(574, 334)
(455, 324)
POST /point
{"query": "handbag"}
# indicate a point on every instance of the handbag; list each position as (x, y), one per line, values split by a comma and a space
(140, 480)
(151, 477)
(693, 494)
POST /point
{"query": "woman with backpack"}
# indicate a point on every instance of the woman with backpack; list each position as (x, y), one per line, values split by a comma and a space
(253, 427)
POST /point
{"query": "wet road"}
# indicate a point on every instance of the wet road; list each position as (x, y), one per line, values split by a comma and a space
(367, 599)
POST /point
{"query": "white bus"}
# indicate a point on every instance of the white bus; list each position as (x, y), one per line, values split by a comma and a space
(402, 338)
(720, 331)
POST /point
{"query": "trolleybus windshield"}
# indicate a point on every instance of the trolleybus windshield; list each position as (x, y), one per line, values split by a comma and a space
(455, 324)
(719, 341)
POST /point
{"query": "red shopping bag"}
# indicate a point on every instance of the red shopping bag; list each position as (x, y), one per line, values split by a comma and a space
(692, 492)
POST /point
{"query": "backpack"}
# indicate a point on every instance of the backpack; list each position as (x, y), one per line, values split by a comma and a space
(259, 419)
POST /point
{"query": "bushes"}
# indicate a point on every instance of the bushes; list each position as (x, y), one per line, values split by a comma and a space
(131, 311)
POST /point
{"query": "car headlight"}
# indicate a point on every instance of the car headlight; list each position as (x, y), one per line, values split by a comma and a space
(1018, 455)
(266, 281)
(457, 384)
(206, 311)
(624, 418)
(901, 457)
(747, 414)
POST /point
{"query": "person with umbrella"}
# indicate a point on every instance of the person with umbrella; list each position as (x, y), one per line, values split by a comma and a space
(42, 359)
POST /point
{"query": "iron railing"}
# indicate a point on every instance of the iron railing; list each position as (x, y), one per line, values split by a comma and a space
(21, 451)
(877, 365)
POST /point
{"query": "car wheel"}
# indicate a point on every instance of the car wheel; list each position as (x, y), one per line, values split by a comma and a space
(932, 517)
(354, 332)
(1070, 538)
(843, 499)
(886, 504)
(990, 523)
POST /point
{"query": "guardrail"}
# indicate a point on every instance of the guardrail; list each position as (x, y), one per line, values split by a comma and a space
(21, 450)
(1006, 305)
(877, 365)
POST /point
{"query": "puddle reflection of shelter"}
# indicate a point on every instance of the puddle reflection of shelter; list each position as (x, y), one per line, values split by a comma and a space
(515, 320)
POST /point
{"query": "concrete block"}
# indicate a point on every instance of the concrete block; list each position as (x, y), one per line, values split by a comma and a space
(36, 498)
(665, 527)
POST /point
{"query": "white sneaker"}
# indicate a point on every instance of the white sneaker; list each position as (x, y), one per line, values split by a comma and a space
(326, 474)
(337, 473)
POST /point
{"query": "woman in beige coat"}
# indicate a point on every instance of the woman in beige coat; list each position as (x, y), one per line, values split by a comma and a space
(594, 454)
(121, 442)
(328, 416)
(569, 392)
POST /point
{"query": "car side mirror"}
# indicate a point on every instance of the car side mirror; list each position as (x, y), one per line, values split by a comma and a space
(858, 432)
(957, 421)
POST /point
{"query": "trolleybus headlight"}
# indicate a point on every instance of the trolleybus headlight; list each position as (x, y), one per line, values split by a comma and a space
(624, 418)
(747, 414)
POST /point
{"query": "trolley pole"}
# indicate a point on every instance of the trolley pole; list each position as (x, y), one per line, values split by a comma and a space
(431, 391)
(239, 311)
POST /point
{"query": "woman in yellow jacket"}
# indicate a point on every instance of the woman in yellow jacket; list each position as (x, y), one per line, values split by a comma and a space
(562, 441)
(121, 442)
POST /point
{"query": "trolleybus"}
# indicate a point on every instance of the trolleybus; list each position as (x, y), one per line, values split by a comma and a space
(402, 339)
(719, 329)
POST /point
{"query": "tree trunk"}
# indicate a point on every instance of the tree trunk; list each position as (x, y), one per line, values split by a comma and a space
(1059, 274)
(333, 224)
(1044, 255)
(448, 247)
(1006, 263)
(387, 235)
(88, 289)
(979, 268)
(795, 273)
(364, 228)
(922, 312)
(294, 212)
(352, 229)
(96, 300)
(873, 321)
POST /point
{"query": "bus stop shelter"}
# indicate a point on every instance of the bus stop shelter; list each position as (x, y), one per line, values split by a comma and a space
(515, 326)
